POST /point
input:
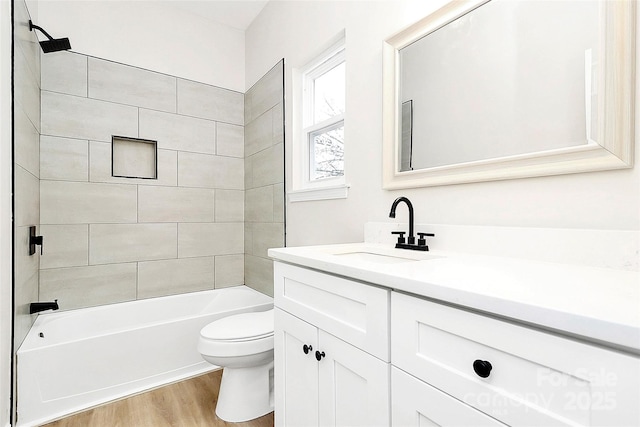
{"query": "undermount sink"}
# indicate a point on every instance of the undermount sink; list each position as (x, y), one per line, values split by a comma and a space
(382, 258)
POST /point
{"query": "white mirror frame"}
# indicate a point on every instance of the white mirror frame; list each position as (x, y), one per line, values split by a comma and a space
(614, 149)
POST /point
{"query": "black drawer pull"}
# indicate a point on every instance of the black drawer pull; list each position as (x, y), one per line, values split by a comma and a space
(319, 355)
(306, 349)
(482, 368)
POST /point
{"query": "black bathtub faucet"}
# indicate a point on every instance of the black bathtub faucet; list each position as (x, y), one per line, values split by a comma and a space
(410, 242)
(36, 307)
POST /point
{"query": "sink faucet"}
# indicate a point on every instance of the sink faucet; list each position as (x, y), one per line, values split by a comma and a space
(411, 240)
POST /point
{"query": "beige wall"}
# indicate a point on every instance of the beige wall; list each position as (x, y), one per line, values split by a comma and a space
(109, 239)
(264, 177)
(298, 31)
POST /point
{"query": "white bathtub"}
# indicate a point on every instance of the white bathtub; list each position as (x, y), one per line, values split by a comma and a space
(90, 356)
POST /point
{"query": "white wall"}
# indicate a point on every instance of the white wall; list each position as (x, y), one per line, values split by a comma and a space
(297, 31)
(151, 35)
(5, 211)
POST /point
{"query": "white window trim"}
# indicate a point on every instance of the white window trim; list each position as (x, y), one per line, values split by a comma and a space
(305, 189)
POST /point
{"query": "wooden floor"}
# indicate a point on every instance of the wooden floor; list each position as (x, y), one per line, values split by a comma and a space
(189, 403)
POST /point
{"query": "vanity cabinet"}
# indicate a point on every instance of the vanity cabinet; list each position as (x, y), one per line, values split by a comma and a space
(331, 350)
(517, 375)
(385, 357)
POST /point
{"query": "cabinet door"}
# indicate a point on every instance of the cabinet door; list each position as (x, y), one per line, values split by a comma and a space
(296, 373)
(416, 403)
(354, 385)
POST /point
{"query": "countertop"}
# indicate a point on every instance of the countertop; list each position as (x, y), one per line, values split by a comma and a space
(597, 304)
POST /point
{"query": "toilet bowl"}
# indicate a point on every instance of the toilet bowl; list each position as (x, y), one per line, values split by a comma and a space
(242, 345)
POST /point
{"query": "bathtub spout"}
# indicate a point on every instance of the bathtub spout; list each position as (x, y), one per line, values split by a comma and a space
(36, 307)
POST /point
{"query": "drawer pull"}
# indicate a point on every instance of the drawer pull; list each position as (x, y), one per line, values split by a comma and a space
(319, 355)
(306, 349)
(482, 368)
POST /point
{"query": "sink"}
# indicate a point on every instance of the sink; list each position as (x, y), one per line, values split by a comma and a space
(381, 258)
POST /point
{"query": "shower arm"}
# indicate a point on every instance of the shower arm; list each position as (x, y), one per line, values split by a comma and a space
(32, 26)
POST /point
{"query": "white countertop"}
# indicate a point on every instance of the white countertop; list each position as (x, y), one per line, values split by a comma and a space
(595, 303)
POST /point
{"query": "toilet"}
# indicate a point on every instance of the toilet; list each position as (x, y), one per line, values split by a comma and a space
(242, 344)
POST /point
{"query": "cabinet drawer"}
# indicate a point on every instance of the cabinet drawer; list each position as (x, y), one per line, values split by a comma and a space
(352, 311)
(416, 403)
(537, 378)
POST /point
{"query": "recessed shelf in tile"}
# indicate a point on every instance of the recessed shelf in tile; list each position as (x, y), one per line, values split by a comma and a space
(134, 158)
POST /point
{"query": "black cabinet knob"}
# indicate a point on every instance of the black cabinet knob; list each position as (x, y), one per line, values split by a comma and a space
(482, 368)
(306, 349)
(319, 355)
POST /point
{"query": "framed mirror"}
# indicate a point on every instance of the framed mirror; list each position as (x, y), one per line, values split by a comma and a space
(484, 90)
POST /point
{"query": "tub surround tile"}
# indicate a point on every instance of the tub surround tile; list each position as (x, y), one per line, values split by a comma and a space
(268, 166)
(266, 93)
(25, 40)
(258, 134)
(118, 243)
(229, 270)
(259, 204)
(267, 235)
(201, 170)
(175, 276)
(259, 274)
(177, 132)
(230, 140)
(248, 238)
(175, 204)
(124, 84)
(100, 167)
(27, 199)
(78, 287)
(26, 266)
(65, 72)
(277, 114)
(229, 206)
(64, 159)
(278, 203)
(26, 293)
(66, 246)
(26, 148)
(84, 203)
(210, 102)
(27, 89)
(83, 118)
(204, 239)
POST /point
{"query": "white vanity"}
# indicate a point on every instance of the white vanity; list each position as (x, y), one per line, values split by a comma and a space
(369, 335)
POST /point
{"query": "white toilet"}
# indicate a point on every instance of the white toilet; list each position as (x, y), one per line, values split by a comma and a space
(243, 345)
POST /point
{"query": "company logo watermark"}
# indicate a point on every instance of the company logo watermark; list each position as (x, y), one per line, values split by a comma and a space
(553, 391)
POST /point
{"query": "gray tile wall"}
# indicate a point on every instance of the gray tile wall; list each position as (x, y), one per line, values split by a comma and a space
(26, 168)
(264, 177)
(112, 239)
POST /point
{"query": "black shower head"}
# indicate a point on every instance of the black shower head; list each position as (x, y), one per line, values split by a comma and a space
(51, 45)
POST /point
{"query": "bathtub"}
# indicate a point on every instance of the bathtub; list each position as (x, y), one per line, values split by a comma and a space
(77, 359)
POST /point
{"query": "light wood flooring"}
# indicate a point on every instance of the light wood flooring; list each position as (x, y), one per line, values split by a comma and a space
(189, 403)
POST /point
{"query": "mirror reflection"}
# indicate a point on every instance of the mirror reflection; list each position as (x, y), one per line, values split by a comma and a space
(507, 78)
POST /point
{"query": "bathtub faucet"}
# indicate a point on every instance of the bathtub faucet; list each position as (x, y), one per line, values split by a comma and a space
(36, 307)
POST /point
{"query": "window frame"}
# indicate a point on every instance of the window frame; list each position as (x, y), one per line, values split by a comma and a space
(304, 186)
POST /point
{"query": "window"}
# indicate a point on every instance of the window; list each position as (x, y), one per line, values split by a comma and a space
(320, 146)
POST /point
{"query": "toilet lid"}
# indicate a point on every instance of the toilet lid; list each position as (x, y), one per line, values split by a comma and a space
(240, 327)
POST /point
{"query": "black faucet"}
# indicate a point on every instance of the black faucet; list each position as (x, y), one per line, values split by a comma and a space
(411, 240)
(36, 307)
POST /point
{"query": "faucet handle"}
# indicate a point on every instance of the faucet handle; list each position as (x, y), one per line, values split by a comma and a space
(421, 238)
(400, 236)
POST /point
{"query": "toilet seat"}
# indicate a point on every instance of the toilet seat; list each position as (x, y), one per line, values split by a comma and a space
(238, 335)
(240, 327)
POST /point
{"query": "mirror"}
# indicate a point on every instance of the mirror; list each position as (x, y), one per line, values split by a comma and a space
(486, 90)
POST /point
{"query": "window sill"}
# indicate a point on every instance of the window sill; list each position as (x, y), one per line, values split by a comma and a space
(323, 193)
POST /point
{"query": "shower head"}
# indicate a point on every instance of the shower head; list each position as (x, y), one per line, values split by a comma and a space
(51, 45)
